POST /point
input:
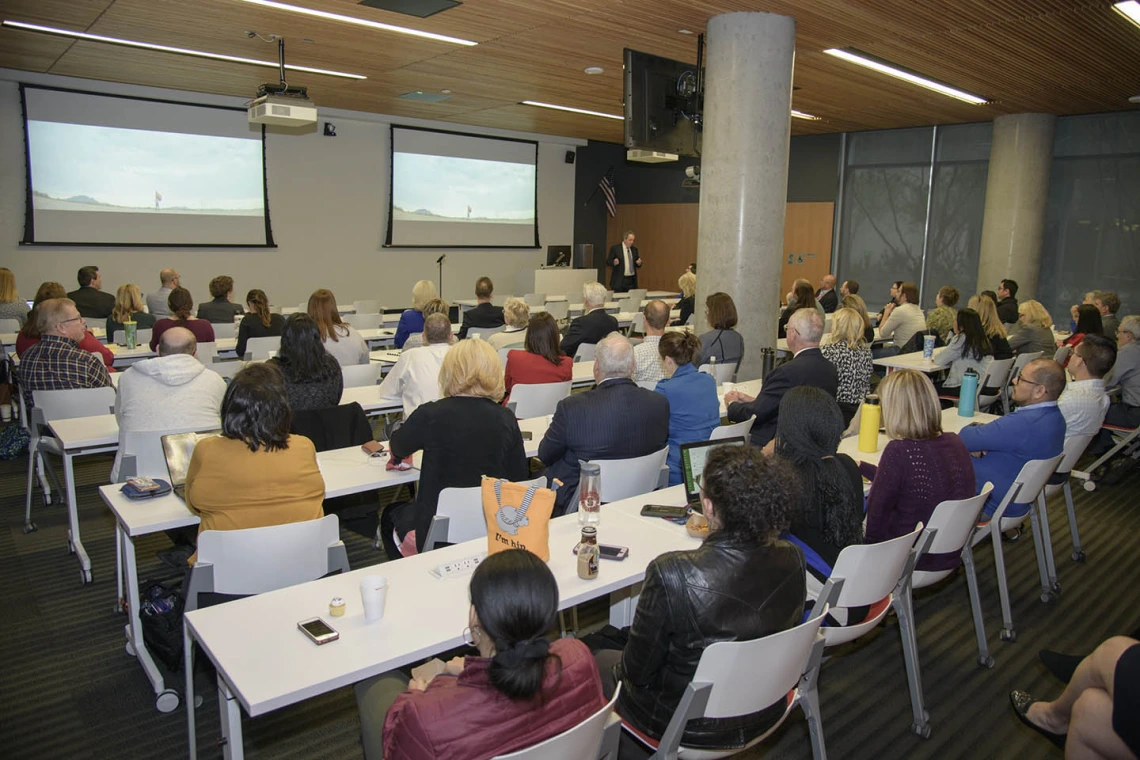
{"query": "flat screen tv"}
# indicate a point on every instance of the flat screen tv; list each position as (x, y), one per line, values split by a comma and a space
(557, 255)
(662, 104)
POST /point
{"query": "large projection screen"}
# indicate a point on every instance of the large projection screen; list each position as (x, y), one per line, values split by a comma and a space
(111, 170)
(453, 190)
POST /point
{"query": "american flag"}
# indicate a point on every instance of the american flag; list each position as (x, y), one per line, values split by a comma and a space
(606, 183)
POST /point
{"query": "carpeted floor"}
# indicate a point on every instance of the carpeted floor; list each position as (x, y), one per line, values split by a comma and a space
(68, 688)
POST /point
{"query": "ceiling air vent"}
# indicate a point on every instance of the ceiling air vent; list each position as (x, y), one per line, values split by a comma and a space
(417, 8)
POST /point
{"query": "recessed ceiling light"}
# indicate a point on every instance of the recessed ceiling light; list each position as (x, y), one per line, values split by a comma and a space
(359, 21)
(446, 92)
(684, 31)
(801, 115)
(168, 49)
(537, 104)
(1130, 10)
(862, 59)
(594, 70)
(1134, 99)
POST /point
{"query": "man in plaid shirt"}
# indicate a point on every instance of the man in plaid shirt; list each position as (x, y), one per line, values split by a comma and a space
(57, 362)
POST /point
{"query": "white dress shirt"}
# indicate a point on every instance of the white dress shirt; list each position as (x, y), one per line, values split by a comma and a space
(415, 378)
(647, 361)
(628, 260)
(1084, 404)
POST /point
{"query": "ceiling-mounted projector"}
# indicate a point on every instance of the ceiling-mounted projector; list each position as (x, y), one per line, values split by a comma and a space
(283, 106)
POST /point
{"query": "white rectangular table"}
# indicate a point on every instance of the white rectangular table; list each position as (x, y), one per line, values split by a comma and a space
(912, 360)
(951, 423)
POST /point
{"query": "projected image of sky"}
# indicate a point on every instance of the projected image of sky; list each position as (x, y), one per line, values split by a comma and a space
(444, 188)
(89, 168)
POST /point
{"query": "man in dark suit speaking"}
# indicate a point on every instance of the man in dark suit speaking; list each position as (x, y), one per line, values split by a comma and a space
(808, 367)
(624, 261)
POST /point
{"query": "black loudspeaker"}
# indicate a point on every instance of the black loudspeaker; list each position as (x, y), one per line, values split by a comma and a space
(570, 156)
(584, 256)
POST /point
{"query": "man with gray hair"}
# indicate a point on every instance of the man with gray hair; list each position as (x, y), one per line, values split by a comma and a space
(57, 362)
(615, 420)
(594, 324)
(807, 367)
(156, 301)
(415, 377)
(1125, 374)
(648, 360)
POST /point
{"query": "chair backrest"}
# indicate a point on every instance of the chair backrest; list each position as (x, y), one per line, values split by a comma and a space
(206, 352)
(538, 399)
(629, 305)
(585, 352)
(648, 385)
(459, 515)
(871, 571)
(638, 295)
(227, 369)
(1029, 482)
(997, 376)
(558, 309)
(534, 299)
(1021, 360)
(637, 324)
(76, 402)
(1074, 447)
(1061, 354)
(692, 320)
(504, 351)
(364, 320)
(623, 478)
(9, 325)
(258, 348)
(953, 521)
(724, 372)
(737, 429)
(484, 332)
(141, 452)
(366, 307)
(357, 375)
(582, 742)
(225, 330)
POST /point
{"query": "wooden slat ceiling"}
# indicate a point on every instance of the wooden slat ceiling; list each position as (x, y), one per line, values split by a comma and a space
(1054, 56)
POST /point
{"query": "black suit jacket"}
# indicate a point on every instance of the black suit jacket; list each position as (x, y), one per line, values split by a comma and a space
(219, 311)
(616, 420)
(1007, 310)
(482, 315)
(588, 328)
(92, 303)
(619, 283)
(829, 300)
(809, 368)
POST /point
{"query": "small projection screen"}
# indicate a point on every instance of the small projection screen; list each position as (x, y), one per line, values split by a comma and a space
(109, 170)
(453, 190)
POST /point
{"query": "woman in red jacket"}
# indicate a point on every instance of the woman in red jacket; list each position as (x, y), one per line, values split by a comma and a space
(542, 361)
(30, 335)
(519, 691)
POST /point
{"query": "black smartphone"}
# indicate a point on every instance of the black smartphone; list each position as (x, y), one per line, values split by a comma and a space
(318, 631)
(660, 510)
(527, 435)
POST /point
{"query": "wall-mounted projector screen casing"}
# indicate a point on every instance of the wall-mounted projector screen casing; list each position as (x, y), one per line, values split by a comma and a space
(454, 190)
(116, 170)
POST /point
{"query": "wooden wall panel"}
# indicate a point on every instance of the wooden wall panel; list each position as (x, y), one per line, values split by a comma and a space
(807, 243)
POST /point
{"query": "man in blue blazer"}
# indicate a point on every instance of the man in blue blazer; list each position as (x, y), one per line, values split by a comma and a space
(615, 420)
(1035, 431)
(807, 367)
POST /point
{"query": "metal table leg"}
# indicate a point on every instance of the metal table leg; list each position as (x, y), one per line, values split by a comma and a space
(166, 700)
(229, 711)
(74, 543)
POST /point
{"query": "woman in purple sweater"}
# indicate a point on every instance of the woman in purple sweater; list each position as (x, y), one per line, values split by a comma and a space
(920, 467)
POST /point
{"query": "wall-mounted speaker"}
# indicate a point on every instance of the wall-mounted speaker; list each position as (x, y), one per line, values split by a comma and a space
(570, 156)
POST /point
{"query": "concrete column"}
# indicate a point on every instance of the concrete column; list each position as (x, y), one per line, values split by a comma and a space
(744, 172)
(1017, 187)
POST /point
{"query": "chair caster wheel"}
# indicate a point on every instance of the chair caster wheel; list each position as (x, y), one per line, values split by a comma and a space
(168, 701)
(85, 576)
(130, 649)
(1056, 587)
(922, 729)
(986, 662)
(1089, 486)
(1046, 597)
(1008, 634)
(1078, 556)
(30, 528)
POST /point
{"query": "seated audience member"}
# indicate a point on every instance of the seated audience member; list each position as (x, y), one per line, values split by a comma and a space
(722, 341)
(1088, 323)
(688, 285)
(11, 305)
(1098, 713)
(56, 360)
(516, 315)
(220, 311)
(434, 306)
(990, 294)
(694, 409)
(615, 420)
(594, 324)
(742, 583)
(340, 339)
(901, 323)
(790, 298)
(826, 296)
(691, 268)
(828, 513)
(485, 313)
(1125, 375)
(464, 436)
(846, 347)
(1034, 330)
(645, 354)
(158, 302)
(259, 322)
(1108, 303)
(968, 349)
(540, 361)
(992, 324)
(182, 308)
(1090, 298)
(891, 303)
(942, 317)
(415, 377)
(1084, 402)
(920, 466)
(803, 297)
(849, 288)
(173, 392)
(412, 320)
(255, 473)
(128, 308)
(521, 689)
(313, 379)
(807, 367)
(856, 302)
(30, 335)
(1006, 302)
(1035, 430)
(91, 301)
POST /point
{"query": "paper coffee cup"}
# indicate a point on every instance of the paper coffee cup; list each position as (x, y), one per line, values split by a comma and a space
(727, 386)
(373, 594)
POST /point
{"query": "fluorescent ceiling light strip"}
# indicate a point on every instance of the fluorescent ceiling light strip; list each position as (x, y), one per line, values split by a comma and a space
(359, 22)
(168, 49)
(906, 76)
(1130, 10)
(572, 110)
(801, 115)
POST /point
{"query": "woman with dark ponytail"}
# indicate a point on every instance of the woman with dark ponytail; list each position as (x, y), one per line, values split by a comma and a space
(259, 322)
(694, 409)
(520, 690)
(181, 305)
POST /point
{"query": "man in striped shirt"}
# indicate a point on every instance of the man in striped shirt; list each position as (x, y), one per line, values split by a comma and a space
(57, 362)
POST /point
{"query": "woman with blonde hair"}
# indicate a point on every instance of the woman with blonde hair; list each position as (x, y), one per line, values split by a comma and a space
(921, 466)
(434, 306)
(340, 339)
(259, 322)
(856, 302)
(688, 285)
(516, 315)
(846, 347)
(991, 323)
(412, 320)
(128, 308)
(464, 435)
(11, 307)
(1034, 330)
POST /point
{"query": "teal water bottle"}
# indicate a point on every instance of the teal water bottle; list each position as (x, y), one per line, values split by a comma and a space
(968, 396)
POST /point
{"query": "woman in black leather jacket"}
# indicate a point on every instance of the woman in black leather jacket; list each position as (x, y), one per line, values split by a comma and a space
(742, 583)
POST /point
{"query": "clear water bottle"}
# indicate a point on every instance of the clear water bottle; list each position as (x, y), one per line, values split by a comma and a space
(590, 495)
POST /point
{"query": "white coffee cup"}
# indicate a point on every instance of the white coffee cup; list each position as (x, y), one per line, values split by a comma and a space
(373, 594)
(728, 386)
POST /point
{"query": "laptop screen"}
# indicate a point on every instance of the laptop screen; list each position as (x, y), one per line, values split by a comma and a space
(178, 447)
(693, 457)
